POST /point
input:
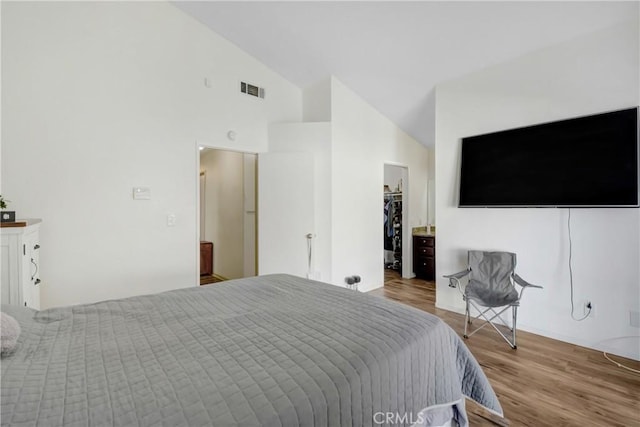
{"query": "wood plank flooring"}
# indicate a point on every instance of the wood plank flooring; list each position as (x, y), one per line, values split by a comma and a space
(214, 278)
(544, 382)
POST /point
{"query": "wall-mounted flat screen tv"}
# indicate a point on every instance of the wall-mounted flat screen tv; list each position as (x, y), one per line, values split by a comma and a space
(589, 161)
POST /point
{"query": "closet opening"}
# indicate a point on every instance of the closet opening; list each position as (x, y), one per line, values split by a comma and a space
(395, 227)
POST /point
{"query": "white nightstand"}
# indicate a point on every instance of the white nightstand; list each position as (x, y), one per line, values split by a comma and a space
(20, 248)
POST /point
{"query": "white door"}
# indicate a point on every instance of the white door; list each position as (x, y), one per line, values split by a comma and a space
(203, 203)
(286, 212)
(249, 244)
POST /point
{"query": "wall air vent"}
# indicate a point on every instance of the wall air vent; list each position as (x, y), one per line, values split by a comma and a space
(252, 90)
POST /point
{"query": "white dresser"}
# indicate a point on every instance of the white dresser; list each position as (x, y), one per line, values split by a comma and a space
(20, 273)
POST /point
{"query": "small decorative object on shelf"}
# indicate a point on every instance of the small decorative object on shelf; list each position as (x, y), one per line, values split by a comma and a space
(6, 216)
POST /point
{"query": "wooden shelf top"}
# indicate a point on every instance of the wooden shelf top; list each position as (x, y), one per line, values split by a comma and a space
(20, 223)
(13, 224)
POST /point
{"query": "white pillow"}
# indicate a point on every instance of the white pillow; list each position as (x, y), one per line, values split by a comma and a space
(9, 333)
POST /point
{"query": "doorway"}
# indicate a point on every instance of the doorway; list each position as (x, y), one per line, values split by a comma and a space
(395, 228)
(227, 214)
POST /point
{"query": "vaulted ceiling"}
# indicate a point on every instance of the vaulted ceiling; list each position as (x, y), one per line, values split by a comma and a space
(393, 54)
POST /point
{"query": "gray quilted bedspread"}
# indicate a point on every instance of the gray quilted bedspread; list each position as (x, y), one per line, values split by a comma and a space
(271, 351)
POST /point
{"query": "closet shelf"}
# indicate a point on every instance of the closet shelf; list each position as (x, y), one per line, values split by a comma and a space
(393, 194)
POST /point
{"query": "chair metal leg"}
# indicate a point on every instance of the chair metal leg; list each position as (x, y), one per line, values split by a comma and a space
(514, 312)
(489, 321)
(467, 319)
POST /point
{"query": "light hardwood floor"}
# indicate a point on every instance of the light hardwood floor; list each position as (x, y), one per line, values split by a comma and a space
(544, 382)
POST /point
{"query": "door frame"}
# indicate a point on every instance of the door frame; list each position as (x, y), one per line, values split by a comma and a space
(407, 243)
(213, 146)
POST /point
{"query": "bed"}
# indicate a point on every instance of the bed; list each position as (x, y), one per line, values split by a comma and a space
(273, 350)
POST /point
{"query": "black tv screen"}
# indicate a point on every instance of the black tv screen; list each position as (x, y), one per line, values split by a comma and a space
(589, 161)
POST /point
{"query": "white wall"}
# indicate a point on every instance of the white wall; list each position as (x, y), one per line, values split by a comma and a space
(316, 102)
(224, 210)
(363, 140)
(100, 97)
(431, 187)
(591, 74)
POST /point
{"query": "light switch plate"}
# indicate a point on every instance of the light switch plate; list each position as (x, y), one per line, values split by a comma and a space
(141, 193)
(171, 220)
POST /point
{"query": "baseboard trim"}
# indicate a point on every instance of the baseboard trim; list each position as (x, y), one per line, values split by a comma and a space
(598, 345)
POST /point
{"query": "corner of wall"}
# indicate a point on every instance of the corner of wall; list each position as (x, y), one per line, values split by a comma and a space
(316, 102)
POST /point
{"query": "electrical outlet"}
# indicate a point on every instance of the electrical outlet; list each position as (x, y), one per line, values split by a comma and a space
(589, 308)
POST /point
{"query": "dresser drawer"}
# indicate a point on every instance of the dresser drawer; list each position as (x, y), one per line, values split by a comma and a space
(424, 264)
(425, 251)
(424, 242)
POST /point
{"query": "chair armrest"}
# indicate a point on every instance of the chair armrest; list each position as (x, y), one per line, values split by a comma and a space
(459, 275)
(520, 281)
(454, 279)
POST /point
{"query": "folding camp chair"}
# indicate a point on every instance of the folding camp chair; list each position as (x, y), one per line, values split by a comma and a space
(491, 287)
